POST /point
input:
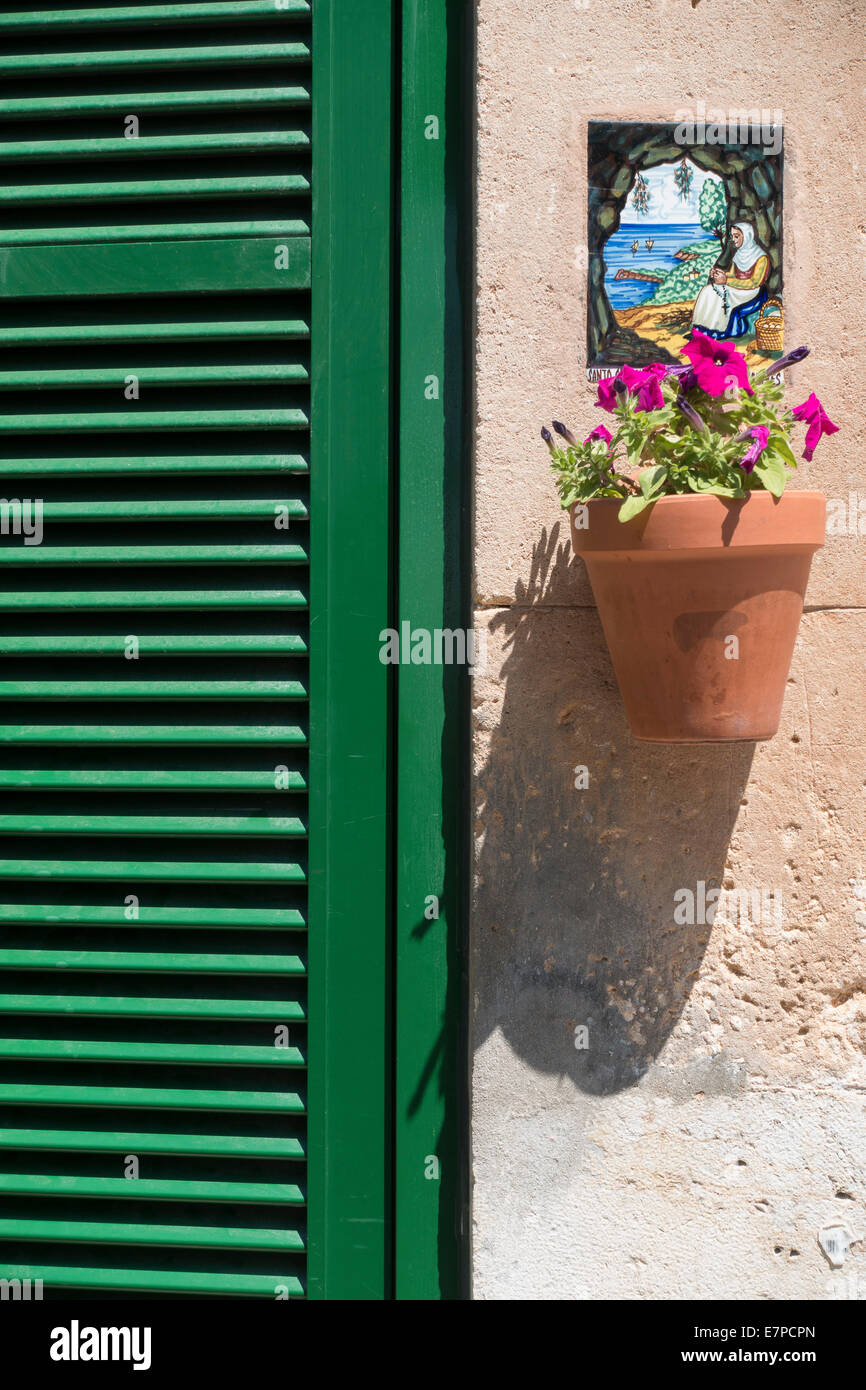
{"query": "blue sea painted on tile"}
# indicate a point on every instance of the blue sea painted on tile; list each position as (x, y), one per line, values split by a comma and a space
(667, 238)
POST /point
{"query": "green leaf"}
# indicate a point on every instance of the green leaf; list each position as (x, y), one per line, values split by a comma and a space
(633, 506)
(716, 489)
(634, 449)
(781, 446)
(771, 471)
(652, 480)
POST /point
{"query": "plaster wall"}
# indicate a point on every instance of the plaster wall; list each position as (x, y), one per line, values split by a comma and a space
(716, 1121)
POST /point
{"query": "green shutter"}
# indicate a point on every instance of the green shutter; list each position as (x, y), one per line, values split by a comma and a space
(432, 743)
(351, 813)
(154, 811)
(221, 814)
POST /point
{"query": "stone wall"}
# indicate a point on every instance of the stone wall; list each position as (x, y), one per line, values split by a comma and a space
(716, 1121)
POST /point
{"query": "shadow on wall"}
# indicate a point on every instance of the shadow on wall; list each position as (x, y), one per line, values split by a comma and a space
(574, 914)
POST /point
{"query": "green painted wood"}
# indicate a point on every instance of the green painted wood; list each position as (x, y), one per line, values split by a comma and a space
(152, 690)
(152, 267)
(145, 735)
(165, 421)
(93, 915)
(172, 1281)
(152, 146)
(151, 644)
(44, 555)
(167, 59)
(97, 1006)
(90, 1141)
(147, 824)
(156, 779)
(180, 374)
(126, 1233)
(169, 1054)
(218, 229)
(161, 963)
(225, 600)
(87, 17)
(73, 465)
(177, 509)
(153, 871)
(153, 1189)
(128, 190)
(349, 1139)
(212, 99)
(280, 1101)
(431, 737)
(122, 258)
(235, 330)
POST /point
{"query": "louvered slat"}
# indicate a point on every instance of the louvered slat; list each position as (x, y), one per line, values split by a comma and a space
(148, 1098)
(218, 1238)
(146, 734)
(153, 726)
(148, 1281)
(209, 99)
(175, 60)
(90, 17)
(142, 1141)
(153, 870)
(135, 961)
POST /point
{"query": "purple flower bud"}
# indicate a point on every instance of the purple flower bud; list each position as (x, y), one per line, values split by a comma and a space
(564, 431)
(789, 360)
(688, 380)
(620, 387)
(548, 439)
(691, 415)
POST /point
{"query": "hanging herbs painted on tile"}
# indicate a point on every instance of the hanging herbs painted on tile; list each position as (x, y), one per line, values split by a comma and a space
(685, 232)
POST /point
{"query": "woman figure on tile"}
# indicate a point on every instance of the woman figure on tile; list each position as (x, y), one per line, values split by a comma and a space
(723, 307)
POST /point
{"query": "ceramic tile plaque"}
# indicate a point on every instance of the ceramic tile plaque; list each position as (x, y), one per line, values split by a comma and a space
(685, 230)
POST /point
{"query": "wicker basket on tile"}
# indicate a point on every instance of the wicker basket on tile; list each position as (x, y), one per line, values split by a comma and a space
(770, 331)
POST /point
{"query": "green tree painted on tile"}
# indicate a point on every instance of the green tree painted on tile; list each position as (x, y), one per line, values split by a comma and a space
(713, 209)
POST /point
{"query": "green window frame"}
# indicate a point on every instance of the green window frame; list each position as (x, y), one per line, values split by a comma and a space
(397, 185)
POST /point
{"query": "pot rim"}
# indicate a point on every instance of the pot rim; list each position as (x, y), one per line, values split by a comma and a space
(702, 521)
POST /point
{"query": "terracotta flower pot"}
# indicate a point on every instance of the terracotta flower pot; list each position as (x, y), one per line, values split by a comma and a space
(700, 598)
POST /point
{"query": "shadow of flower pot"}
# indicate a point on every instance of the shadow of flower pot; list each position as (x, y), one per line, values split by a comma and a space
(574, 918)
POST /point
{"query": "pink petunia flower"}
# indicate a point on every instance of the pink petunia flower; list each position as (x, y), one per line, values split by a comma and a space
(607, 394)
(818, 420)
(632, 375)
(600, 432)
(649, 396)
(642, 382)
(645, 384)
(717, 365)
(759, 434)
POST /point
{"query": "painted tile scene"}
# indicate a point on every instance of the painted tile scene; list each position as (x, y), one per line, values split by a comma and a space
(685, 232)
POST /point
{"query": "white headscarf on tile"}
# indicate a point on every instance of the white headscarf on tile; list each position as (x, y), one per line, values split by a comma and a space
(751, 250)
